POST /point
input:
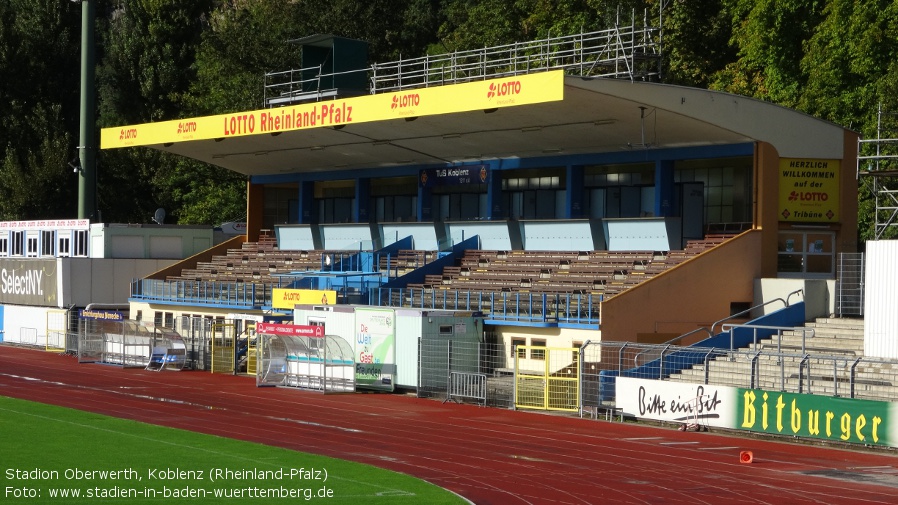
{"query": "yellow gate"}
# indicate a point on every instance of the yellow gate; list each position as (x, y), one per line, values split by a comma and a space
(57, 327)
(549, 379)
(223, 347)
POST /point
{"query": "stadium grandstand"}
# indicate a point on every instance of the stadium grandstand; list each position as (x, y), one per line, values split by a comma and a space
(519, 181)
(552, 190)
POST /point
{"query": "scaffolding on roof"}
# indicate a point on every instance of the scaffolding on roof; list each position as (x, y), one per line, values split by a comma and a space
(631, 51)
(877, 169)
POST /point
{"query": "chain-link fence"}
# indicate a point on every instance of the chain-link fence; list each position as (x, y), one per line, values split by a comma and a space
(476, 371)
(485, 373)
(196, 331)
(760, 368)
(850, 285)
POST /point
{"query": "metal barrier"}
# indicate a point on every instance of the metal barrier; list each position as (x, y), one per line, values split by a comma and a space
(850, 284)
(568, 308)
(556, 386)
(631, 51)
(762, 368)
(246, 295)
(224, 348)
(437, 359)
(466, 385)
(56, 330)
(197, 334)
(767, 332)
(29, 336)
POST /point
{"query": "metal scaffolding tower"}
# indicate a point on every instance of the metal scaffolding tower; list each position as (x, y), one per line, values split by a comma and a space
(877, 169)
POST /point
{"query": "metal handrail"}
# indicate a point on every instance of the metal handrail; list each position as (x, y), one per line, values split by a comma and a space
(755, 370)
(836, 375)
(803, 365)
(794, 372)
(748, 310)
(636, 357)
(706, 367)
(620, 359)
(596, 54)
(851, 377)
(728, 328)
(697, 330)
(711, 331)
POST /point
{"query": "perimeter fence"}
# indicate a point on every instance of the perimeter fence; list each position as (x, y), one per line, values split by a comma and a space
(756, 367)
(486, 373)
(480, 372)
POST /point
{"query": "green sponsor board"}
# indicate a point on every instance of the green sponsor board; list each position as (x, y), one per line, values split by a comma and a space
(375, 349)
(822, 417)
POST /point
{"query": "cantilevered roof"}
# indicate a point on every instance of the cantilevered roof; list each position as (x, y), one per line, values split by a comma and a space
(512, 117)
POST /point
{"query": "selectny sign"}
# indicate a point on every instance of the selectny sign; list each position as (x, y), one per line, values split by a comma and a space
(28, 282)
(23, 283)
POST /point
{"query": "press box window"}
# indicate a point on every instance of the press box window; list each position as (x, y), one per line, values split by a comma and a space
(31, 243)
(48, 243)
(18, 243)
(81, 237)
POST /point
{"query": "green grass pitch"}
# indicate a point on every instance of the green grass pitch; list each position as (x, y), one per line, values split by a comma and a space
(50, 454)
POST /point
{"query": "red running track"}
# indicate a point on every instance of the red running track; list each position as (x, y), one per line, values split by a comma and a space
(490, 456)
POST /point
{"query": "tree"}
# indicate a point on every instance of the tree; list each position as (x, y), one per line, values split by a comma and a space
(147, 68)
(39, 61)
(696, 42)
(770, 37)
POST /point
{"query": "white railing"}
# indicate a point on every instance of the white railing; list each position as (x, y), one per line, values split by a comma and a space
(632, 52)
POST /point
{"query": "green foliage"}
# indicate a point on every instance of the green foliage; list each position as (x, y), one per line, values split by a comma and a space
(769, 35)
(149, 56)
(201, 193)
(393, 28)
(37, 181)
(241, 42)
(38, 59)
(696, 42)
(474, 24)
(147, 68)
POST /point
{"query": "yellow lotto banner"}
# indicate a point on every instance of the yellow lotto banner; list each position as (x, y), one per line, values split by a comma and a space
(282, 298)
(809, 190)
(479, 95)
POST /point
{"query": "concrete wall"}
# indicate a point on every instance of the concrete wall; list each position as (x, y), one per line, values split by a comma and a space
(692, 295)
(88, 280)
(148, 241)
(29, 325)
(818, 295)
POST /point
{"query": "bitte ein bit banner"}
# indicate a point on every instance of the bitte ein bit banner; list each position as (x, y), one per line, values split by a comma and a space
(831, 418)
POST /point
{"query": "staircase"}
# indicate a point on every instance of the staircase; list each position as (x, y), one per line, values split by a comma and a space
(829, 362)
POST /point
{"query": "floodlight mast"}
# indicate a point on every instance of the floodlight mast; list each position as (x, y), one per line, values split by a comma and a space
(87, 154)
